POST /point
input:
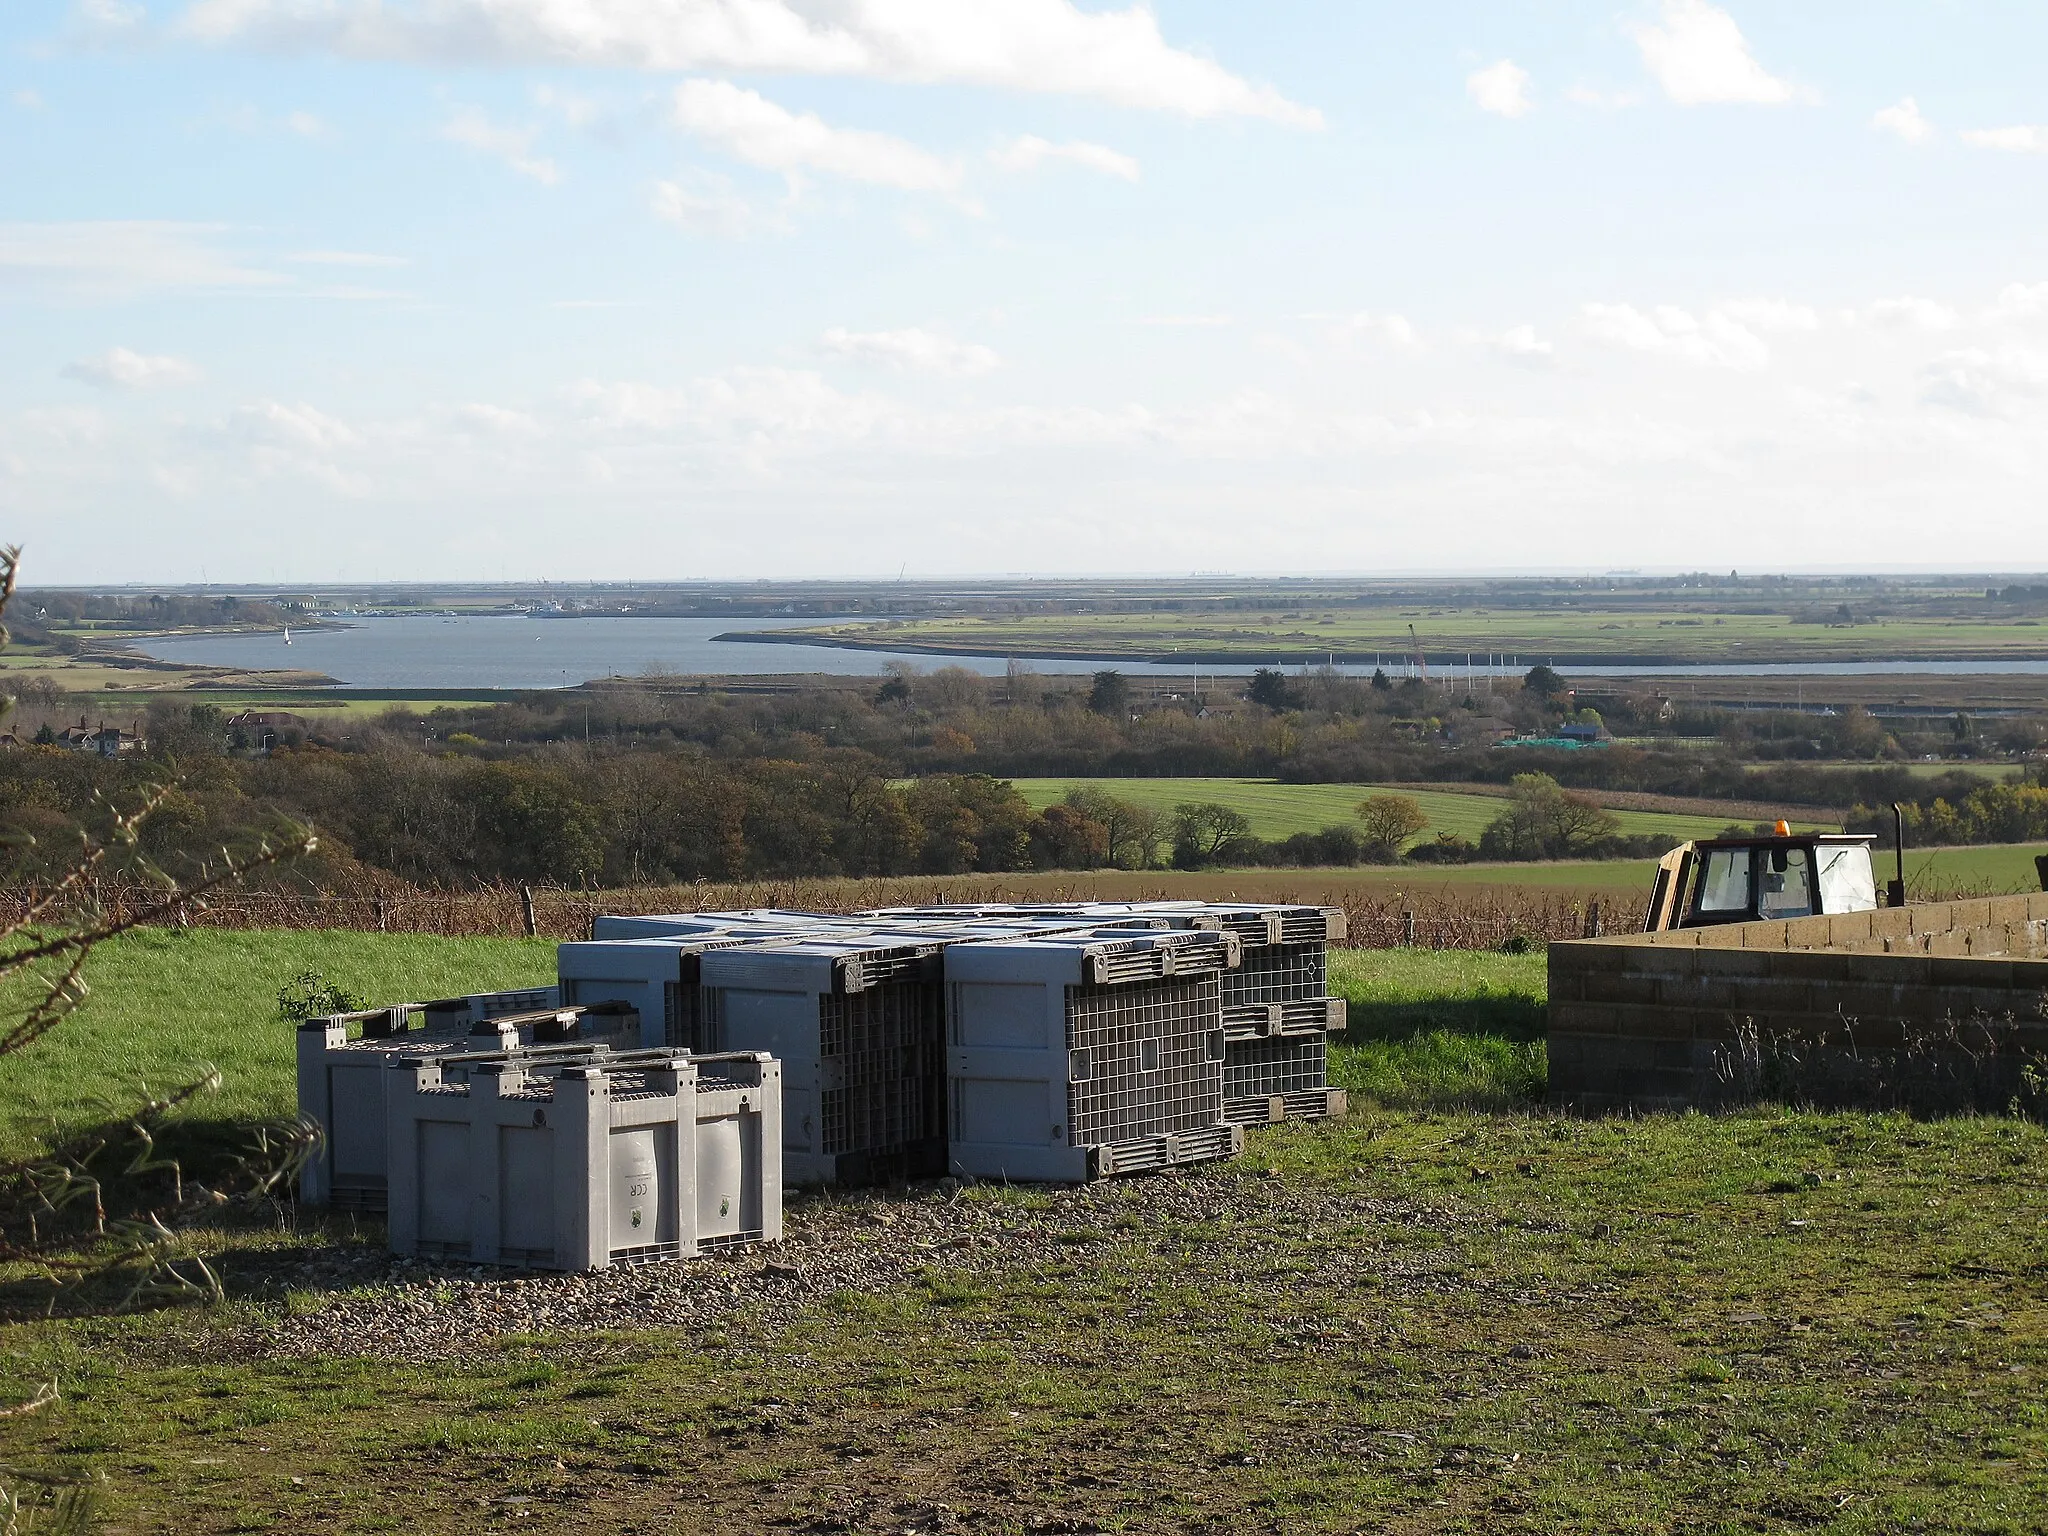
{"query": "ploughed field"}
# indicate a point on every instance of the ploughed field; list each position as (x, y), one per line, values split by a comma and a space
(1453, 1311)
(1591, 631)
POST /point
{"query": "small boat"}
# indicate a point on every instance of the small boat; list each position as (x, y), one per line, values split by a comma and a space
(287, 635)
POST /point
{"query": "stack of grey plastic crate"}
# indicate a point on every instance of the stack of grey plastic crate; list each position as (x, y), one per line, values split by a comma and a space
(1278, 1014)
(1041, 1042)
(494, 1131)
(952, 1068)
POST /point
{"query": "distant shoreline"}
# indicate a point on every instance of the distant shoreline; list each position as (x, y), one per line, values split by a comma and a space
(1384, 658)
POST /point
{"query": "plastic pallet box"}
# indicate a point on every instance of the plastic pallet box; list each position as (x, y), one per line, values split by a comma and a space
(1282, 986)
(1279, 1079)
(1310, 1104)
(589, 1168)
(658, 977)
(451, 1014)
(1075, 1057)
(663, 925)
(342, 1081)
(858, 1024)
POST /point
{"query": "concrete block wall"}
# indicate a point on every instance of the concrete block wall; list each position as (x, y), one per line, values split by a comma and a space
(1934, 1008)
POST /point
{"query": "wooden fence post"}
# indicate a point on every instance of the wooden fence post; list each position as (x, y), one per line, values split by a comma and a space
(1593, 920)
(1408, 930)
(526, 910)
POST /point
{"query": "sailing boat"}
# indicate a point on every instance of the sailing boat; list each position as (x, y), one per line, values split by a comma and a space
(287, 634)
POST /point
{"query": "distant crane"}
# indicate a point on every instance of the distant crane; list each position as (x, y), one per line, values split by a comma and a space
(1421, 661)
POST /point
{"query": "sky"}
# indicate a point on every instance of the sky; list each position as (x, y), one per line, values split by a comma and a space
(365, 290)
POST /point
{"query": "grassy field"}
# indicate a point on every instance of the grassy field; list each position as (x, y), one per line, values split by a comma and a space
(1455, 1314)
(1592, 631)
(2002, 771)
(168, 1003)
(1275, 810)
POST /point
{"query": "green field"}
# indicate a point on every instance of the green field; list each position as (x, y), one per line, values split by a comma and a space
(2003, 771)
(1451, 1312)
(168, 1003)
(1276, 810)
(1591, 629)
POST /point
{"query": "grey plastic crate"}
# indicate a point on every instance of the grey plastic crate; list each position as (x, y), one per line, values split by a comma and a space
(858, 1024)
(1266, 1021)
(657, 977)
(451, 1013)
(1263, 1069)
(663, 925)
(1306, 1104)
(342, 1080)
(1072, 1056)
(593, 1166)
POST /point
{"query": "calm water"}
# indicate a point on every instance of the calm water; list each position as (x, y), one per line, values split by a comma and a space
(376, 653)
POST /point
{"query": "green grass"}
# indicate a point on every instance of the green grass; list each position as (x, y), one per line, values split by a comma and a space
(168, 1003)
(1917, 770)
(1996, 869)
(1440, 1029)
(1439, 1323)
(1276, 810)
(1285, 636)
(1420, 1319)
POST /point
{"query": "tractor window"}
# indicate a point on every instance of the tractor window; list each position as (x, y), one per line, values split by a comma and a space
(1785, 883)
(1724, 887)
(1846, 881)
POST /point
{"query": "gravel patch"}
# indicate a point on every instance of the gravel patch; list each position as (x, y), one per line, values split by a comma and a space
(1246, 1230)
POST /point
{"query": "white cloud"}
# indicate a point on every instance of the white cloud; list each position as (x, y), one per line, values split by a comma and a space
(576, 111)
(496, 421)
(706, 204)
(911, 351)
(1502, 89)
(749, 127)
(252, 120)
(1019, 45)
(105, 16)
(1714, 340)
(27, 99)
(2023, 139)
(1700, 57)
(514, 146)
(2020, 301)
(1602, 101)
(125, 258)
(1030, 152)
(1369, 327)
(1907, 314)
(1904, 121)
(1521, 344)
(1770, 315)
(123, 369)
(347, 259)
(289, 428)
(1978, 382)
(271, 438)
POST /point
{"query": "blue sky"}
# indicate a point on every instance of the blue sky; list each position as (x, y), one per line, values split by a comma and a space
(304, 289)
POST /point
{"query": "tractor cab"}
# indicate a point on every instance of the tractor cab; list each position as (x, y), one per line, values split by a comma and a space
(1751, 879)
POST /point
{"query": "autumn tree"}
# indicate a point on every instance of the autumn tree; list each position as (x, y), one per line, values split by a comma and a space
(1388, 823)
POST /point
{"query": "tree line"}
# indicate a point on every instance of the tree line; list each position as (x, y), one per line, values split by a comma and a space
(2014, 812)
